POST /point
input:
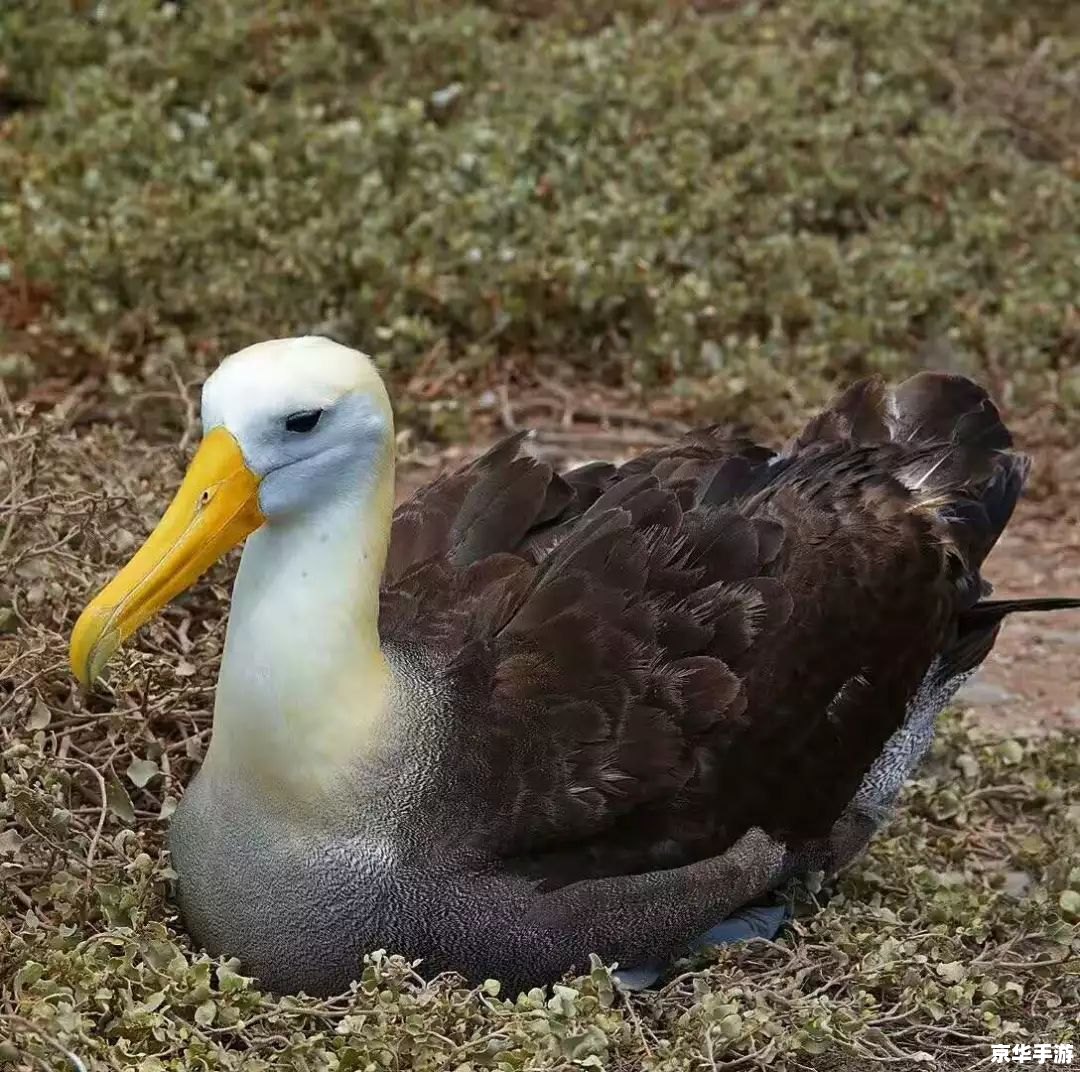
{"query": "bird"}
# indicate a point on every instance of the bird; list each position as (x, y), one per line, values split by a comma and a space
(528, 717)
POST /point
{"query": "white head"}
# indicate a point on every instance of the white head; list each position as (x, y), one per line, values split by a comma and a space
(311, 418)
(289, 426)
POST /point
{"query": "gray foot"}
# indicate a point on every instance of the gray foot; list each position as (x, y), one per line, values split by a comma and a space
(755, 921)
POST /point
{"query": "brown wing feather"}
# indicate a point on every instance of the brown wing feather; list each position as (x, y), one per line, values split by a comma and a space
(486, 508)
(648, 660)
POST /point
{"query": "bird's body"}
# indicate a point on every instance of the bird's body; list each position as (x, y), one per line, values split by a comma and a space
(539, 716)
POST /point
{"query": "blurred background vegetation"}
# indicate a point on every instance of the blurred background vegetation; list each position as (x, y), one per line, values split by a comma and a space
(736, 204)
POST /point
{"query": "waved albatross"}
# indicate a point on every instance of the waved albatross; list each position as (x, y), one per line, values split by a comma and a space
(530, 716)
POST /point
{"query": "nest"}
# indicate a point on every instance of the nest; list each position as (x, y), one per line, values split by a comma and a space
(956, 931)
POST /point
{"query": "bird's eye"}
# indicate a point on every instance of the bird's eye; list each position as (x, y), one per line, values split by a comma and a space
(304, 421)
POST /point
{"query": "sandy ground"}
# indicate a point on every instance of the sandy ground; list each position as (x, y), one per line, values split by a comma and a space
(1030, 682)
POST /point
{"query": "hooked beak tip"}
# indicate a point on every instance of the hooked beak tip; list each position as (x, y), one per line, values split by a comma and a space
(93, 643)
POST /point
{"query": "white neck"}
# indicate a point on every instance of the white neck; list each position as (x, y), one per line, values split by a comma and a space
(303, 682)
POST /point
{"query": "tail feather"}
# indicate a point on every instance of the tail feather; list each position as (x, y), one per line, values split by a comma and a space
(978, 628)
(989, 610)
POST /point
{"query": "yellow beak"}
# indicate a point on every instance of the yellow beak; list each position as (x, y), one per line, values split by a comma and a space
(216, 507)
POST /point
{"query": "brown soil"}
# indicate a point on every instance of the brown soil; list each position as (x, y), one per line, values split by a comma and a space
(1030, 681)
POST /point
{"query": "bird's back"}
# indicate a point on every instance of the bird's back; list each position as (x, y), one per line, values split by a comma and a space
(648, 660)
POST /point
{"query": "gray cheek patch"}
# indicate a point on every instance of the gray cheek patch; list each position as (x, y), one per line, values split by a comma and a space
(338, 458)
(302, 484)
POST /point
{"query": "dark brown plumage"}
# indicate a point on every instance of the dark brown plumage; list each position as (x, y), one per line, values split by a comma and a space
(710, 638)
